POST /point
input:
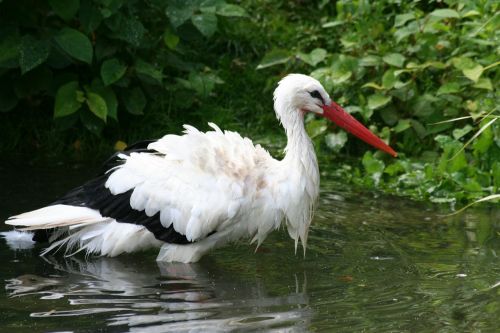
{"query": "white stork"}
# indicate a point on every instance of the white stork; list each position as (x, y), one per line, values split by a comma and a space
(191, 193)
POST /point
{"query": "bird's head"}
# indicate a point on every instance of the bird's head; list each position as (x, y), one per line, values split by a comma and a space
(298, 94)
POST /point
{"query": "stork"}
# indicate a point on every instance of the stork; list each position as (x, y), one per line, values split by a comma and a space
(188, 194)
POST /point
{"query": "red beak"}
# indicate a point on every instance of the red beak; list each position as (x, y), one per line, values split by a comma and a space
(343, 119)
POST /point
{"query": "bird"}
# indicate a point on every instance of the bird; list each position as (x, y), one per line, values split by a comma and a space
(189, 194)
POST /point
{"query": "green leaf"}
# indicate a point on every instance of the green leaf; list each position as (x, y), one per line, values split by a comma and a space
(443, 140)
(76, 44)
(460, 132)
(448, 88)
(135, 101)
(331, 77)
(377, 101)
(170, 39)
(202, 83)
(394, 59)
(418, 128)
(402, 125)
(472, 186)
(335, 141)
(206, 23)
(406, 31)
(131, 30)
(473, 73)
(108, 95)
(332, 24)
(179, 11)
(395, 168)
(208, 6)
(339, 76)
(423, 105)
(399, 85)
(316, 127)
(273, 58)
(471, 13)
(389, 79)
(68, 99)
(463, 63)
(445, 13)
(453, 158)
(97, 105)
(372, 85)
(484, 140)
(372, 166)
(66, 9)
(316, 56)
(483, 143)
(484, 83)
(112, 70)
(389, 116)
(226, 9)
(370, 61)
(148, 71)
(32, 53)
(349, 41)
(401, 19)
(364, 111)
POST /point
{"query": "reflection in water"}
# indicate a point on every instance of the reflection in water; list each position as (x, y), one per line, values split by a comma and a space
(374, 264)
(182, 297)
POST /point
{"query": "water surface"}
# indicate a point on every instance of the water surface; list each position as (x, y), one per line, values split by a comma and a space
(374, 263)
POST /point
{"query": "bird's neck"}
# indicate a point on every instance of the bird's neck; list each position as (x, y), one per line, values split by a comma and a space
(299, 149)
(300, 177)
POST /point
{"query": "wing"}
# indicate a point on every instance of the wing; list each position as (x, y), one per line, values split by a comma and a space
(182, 188)
(95, 195)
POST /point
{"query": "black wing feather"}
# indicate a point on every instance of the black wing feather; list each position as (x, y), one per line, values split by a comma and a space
(95, 195)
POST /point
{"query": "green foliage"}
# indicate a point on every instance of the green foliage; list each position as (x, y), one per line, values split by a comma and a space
(32, 53)
(422, 75)
(112, 70)
(75, 44)
(103, 59)
(68, 99)
(406, 68)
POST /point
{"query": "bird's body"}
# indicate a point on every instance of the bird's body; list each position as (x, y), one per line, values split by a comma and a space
(194, 192)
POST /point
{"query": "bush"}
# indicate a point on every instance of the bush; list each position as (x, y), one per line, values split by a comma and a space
(95, 61)
(423, 75)
(407, 68)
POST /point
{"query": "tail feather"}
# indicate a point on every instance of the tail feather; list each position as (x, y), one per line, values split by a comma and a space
(56, 216)
(85, 229)
(107, 239)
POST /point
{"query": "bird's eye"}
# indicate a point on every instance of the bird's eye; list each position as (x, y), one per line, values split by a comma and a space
(316, 94)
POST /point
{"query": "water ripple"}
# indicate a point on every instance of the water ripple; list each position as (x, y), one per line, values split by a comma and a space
(181, 298)
(374, 264)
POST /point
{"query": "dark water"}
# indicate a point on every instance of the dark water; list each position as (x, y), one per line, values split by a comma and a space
(374, 264)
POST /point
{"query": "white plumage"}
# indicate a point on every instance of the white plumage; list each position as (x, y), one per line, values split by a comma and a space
(211, 188)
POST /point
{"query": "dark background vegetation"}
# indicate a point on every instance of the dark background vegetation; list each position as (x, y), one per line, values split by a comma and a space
(81, 78)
